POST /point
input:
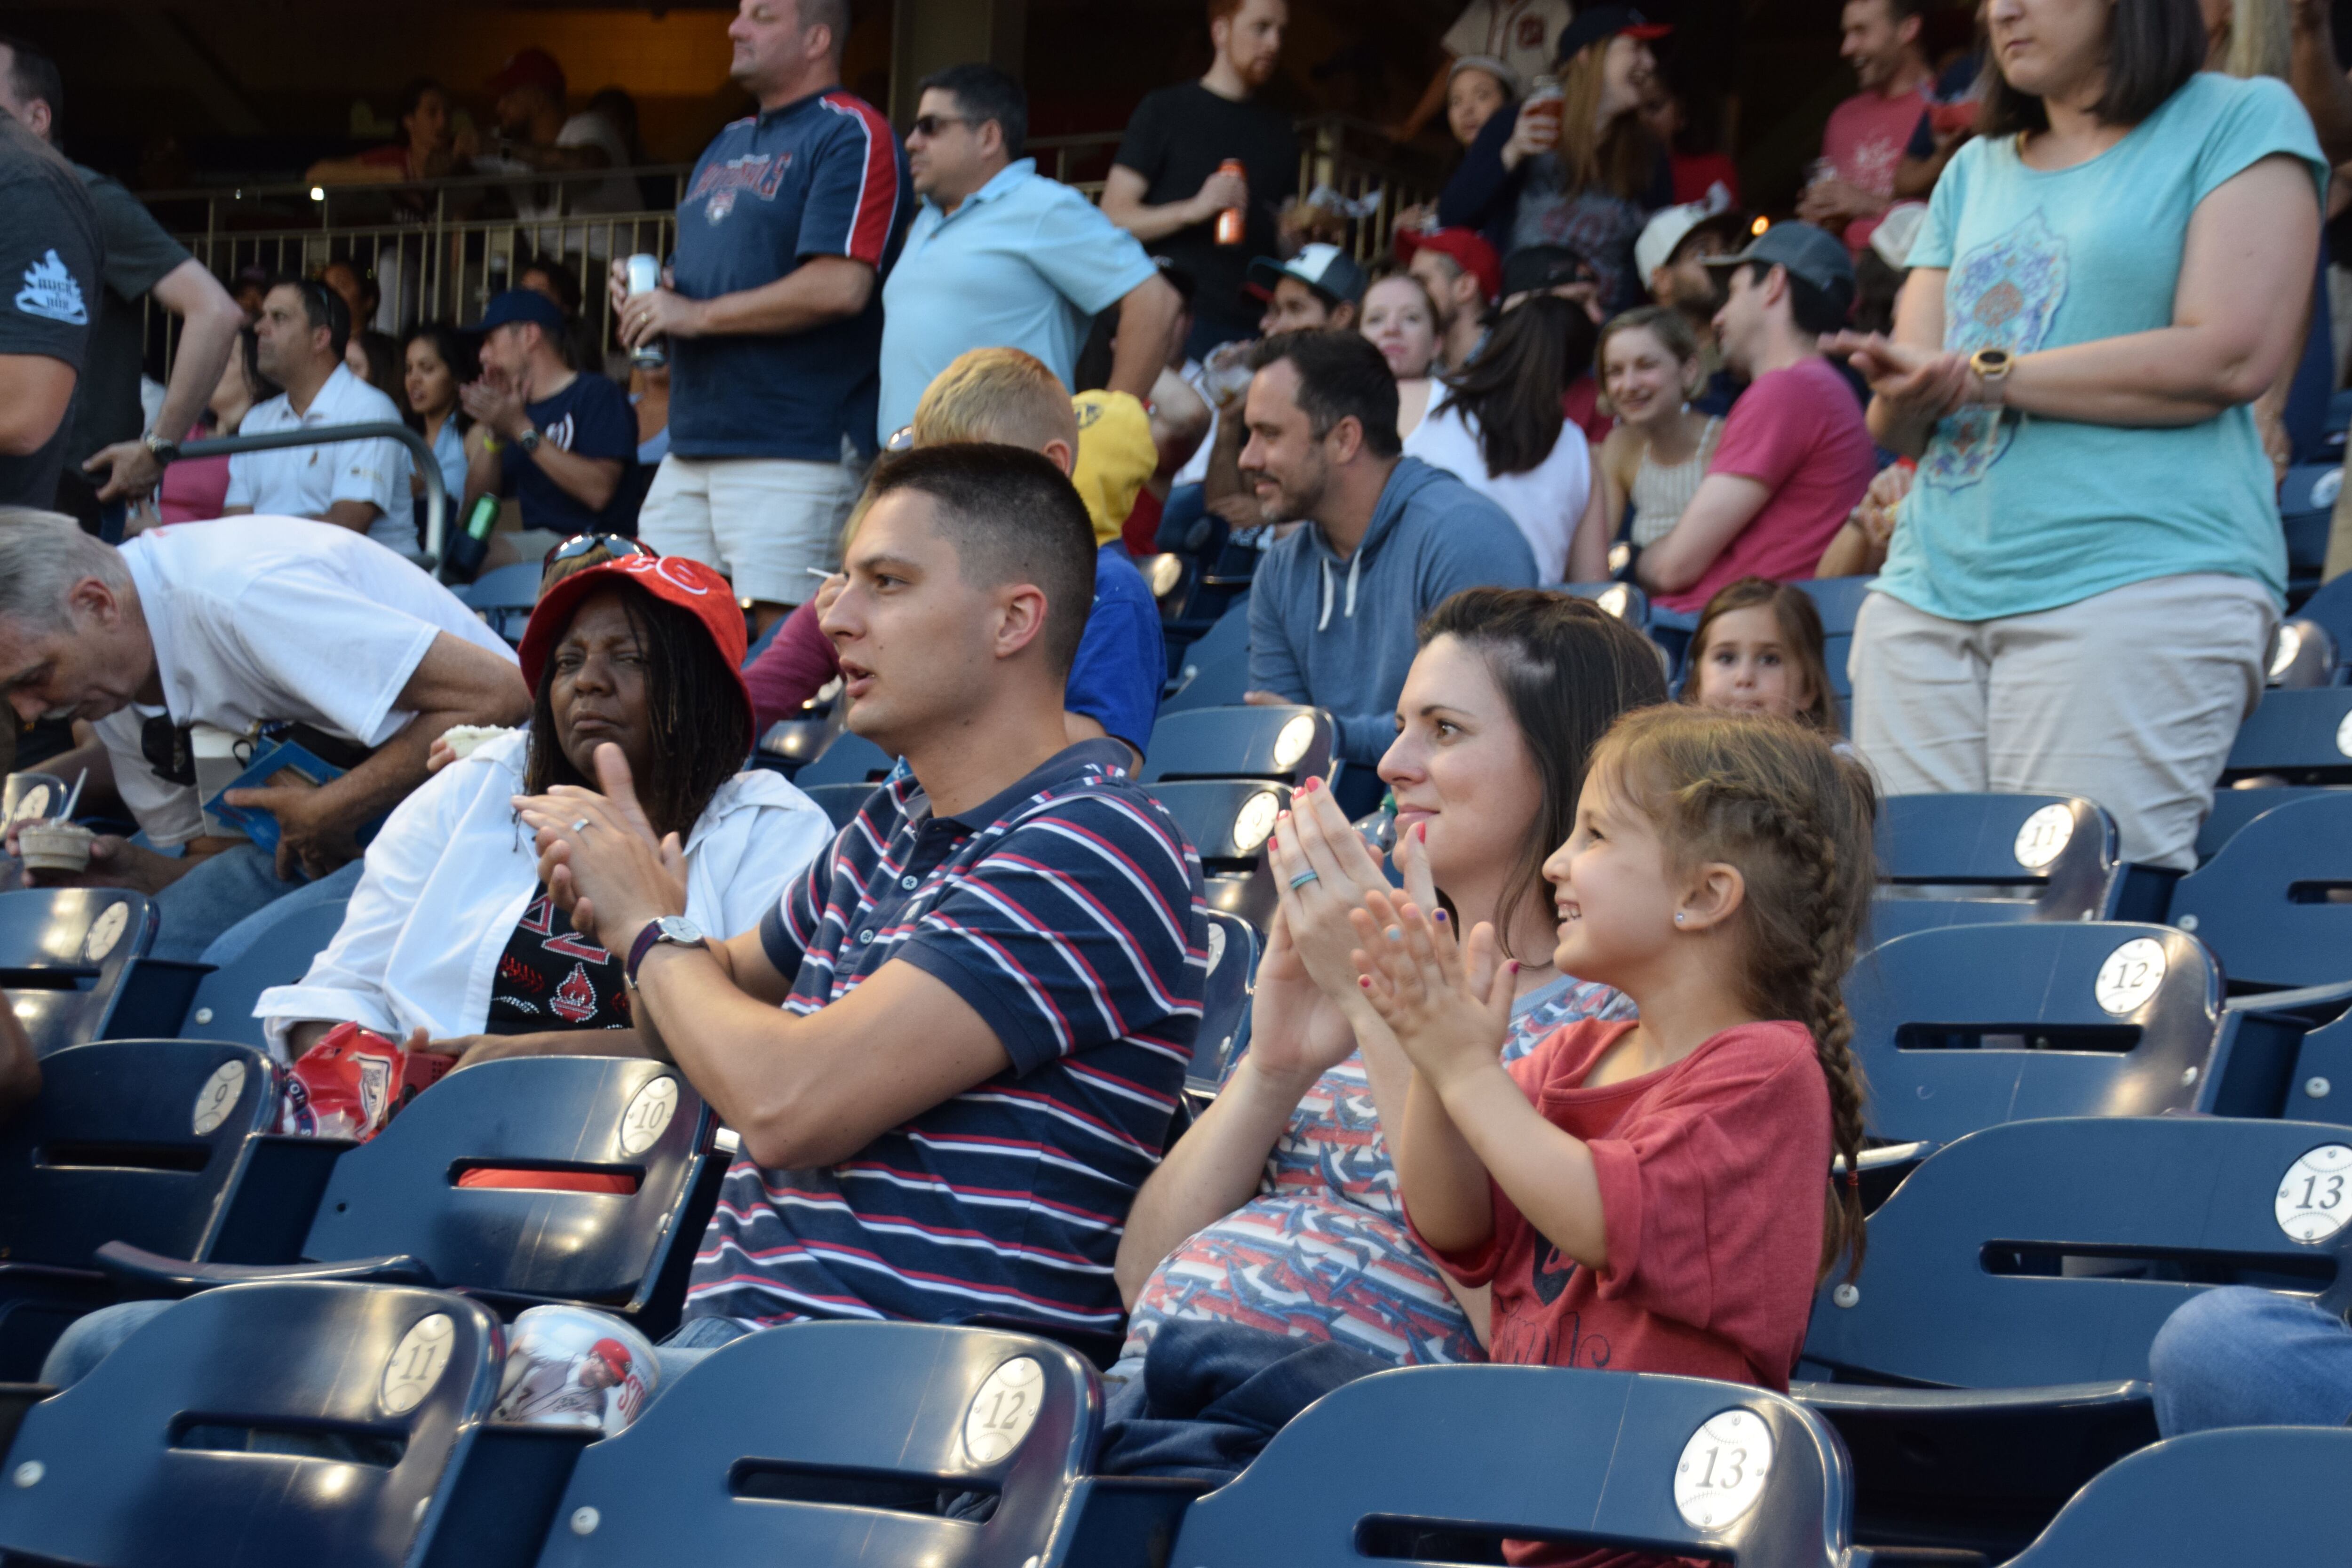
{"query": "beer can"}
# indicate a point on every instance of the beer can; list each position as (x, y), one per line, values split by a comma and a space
(644, 276)
(574, 1366)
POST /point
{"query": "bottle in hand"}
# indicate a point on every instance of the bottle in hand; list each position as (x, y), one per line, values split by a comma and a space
(1230, 221)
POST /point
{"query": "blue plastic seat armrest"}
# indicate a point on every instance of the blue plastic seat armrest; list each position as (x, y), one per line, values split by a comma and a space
(2317, 1002)
(178, 1276)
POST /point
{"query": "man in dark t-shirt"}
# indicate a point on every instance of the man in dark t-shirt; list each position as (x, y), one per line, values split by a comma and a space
(1165, 188)
(564, 442)
(107, 462)
(51, 258)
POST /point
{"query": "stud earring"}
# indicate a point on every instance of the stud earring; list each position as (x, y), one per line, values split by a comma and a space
(1678, 917)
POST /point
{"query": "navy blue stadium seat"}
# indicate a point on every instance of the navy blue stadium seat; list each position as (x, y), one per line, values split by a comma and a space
(504, 596)
(2268, 903)
(1289, 744)
(1967, 1026)
(2306, 500)
(839, 802)
(2301, 736)
(840, 1444)
(2251, 1494)
(1439, 1464)
(2331, 607)
(2030, 1265)
(1839, 600)
(285, 1423)
(1225, 995)
(143, 1141)
(1228, 821)
(850, 758)
(1623, 600)
(1212, 671)
(222, 1008)
(67, 957)
(1968, 859)
(2233, 808)
(393, 1210)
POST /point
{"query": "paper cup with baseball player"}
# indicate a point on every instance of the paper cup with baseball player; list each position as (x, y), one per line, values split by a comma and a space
(573, 1366)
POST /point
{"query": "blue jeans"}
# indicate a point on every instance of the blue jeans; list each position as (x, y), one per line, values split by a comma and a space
(2239, 1357)
(91, 1338)
(214, 894)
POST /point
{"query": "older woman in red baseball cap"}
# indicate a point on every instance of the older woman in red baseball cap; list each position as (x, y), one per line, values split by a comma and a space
(450, 940)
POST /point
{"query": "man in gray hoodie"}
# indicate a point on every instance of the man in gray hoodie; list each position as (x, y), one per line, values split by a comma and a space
(1386, 538)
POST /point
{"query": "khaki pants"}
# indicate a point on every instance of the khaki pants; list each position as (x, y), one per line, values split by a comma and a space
(2130, 698)
(766, 523)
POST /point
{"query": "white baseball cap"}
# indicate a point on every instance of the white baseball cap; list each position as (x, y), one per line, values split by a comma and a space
(1670, 225)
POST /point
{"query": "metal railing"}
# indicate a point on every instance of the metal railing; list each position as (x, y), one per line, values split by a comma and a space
(439, 249)
(436, 494)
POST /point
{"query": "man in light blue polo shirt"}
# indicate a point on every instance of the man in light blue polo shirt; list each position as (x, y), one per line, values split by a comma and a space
(1001, 257)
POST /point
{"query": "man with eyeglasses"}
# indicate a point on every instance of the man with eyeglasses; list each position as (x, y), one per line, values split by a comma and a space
(772, 314)
(1001, 257)
(233, 624)
(359, 485)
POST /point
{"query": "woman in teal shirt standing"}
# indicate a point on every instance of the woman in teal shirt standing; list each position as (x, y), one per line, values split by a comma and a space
(2090, 566)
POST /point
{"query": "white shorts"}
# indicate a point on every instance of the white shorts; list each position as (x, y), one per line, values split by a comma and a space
(763, 522)
(2131, 698)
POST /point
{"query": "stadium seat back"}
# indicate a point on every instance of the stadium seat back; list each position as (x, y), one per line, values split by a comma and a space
(1212, 670)
(838, 1444)
(2305, 736)
(222, 1008)
(2305, 655)
(1839, 600)
(850, 758)
(1289, 744)
(841, 802)
(2051, 1252)
(1967, 1026)
(625, 1116)
(1227, 822)
(64, 955)
(2233, 808)
(2049, 858)
(2248, 1494)
(283, 1424)
(1641, 1462)
(1225, 995)
(504, 596)
(2267, 903)
(138, 1140)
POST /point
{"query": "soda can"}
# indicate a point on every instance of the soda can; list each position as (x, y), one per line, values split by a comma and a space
(644, 276)
(574, 1366)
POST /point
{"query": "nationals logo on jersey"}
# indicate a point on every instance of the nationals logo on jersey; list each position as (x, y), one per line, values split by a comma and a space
(719, 184)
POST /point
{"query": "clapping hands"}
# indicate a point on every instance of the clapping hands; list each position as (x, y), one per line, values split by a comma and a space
(1449, 1008)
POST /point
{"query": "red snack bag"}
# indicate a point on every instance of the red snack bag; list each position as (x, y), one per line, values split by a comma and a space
(344, 1087)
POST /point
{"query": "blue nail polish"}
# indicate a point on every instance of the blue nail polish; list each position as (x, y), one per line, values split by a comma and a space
(1395, 936)
(1440, 917)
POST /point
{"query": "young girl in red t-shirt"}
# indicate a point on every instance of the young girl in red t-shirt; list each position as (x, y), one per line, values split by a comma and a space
(1649, 1197)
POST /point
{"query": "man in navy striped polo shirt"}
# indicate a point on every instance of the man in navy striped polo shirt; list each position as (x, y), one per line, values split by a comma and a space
(952, 1053)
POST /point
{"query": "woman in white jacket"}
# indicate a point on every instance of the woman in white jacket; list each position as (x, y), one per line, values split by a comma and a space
(450, 938)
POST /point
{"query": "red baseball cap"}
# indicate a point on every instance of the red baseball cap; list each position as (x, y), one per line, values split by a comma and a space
(672, 579)
(530, 67)
(612, 1353)
(1468, 249)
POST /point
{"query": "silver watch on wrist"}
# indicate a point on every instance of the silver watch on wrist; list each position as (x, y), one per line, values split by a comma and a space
(675, 930)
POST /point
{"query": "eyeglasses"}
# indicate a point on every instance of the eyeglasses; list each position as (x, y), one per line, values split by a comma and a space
(902, 440)
(932, 124)
(614, 545)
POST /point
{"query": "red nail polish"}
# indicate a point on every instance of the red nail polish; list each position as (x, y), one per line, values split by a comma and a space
(1310, 786)
(1365, 981)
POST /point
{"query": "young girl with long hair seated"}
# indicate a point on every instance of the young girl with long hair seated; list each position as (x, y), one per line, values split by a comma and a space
(1760, 648)
(1652, 1195)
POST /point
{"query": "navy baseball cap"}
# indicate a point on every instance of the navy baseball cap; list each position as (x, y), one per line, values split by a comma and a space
(518, 305)
(1601, 23)
(1813, 254)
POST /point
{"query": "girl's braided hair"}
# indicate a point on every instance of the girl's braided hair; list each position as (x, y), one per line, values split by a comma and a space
(1770, 796)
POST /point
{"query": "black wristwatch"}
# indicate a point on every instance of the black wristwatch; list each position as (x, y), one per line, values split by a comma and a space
(166, 451)
(530, 439)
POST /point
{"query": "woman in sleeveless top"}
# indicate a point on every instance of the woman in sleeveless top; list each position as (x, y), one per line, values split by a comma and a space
(1649, 369)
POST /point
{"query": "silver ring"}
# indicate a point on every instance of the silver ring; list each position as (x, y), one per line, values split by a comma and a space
(581, 826)
(1300, 880)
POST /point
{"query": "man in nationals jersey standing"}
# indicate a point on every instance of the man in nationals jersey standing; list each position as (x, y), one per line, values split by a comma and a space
(773, 313)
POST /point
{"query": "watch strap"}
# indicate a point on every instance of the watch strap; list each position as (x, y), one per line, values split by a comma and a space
(646, 937)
